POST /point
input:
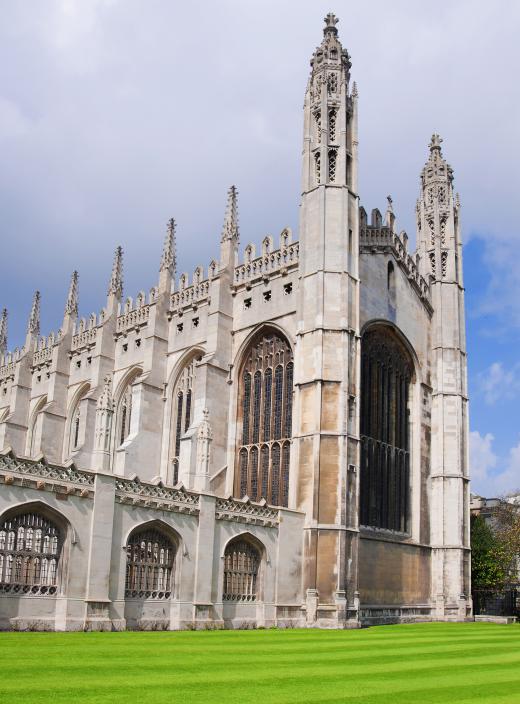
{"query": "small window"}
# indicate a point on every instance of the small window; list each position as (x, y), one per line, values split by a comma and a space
(287, 289)
(247, 303)
(267, 295)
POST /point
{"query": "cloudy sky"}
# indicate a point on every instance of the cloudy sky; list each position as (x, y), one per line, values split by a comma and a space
(118, 114)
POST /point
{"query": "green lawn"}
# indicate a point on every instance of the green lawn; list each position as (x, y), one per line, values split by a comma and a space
(400, 664)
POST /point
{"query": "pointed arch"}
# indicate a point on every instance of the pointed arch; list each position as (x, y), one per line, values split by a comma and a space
(182, 386)
(151, 550)
(264, 416)
(76, 421)
(124, 406)
(32, 545)
(32, 435)
(387, 373)
(243, 556)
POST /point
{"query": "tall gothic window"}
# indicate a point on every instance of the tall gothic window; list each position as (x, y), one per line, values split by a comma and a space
(241, 566)
(30, 549)
(182, 414)
(386, 372)
(125, 411)
(75, 427)
(149, 565)
(33, 445)
(265, 421)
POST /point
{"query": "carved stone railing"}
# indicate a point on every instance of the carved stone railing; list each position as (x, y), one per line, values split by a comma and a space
(246, 512)
(268, 263)
(46, 476)
(135, 318)
(381, 237)
(7, 370)
(190, 295)
(139, 493)
(42, 356)
(86, 338)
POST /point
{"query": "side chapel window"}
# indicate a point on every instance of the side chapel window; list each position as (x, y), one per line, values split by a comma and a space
(150, 557)
(30, 550)
(386, 373)
(265, 421)
(241, 565)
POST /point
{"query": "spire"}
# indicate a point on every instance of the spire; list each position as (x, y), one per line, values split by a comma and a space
(3, 332)
(115, 287)
(390, 216)
(71, 307)
(355, 93)
(230, 229)
(33, 327)
(169, 258)
(435, 145)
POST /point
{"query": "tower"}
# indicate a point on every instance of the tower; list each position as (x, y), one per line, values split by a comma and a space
(440, 247)
(326, 436)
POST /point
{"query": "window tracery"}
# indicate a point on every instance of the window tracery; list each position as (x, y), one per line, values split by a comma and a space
(332, 124)
(317, 120)
(182, 411)
(265, 421)
(150, 557)
(30, 550)
(241, 566)
(317, 163)
(386, 373)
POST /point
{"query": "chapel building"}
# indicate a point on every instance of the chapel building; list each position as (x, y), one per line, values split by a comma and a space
(277, 440)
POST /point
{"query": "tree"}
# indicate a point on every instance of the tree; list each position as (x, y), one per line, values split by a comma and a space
(487, 559)
(506, 528)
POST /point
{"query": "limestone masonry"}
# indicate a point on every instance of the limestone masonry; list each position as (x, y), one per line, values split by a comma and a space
(279, 440)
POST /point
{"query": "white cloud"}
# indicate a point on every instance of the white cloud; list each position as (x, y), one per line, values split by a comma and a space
(498, 383)
(483, 461)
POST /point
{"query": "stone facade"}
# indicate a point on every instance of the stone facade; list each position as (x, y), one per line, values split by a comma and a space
(276, 441)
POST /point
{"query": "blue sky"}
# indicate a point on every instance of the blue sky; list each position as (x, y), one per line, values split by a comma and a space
(116, 115)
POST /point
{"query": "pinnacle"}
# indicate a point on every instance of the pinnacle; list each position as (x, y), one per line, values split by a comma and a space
(71, 306)
(168, 258)
(3, 332)
(33, 326)
(115, 286)
(330, 23)
(230, 229)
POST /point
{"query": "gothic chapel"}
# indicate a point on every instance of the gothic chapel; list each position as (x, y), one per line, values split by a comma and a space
(278, 440)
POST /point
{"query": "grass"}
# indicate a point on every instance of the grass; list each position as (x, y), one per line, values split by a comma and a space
(405, 664)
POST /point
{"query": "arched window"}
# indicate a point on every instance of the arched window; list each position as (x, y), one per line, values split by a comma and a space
(390, 282)
(33, 446)
(30, 551)
(265, 420)
(241, 566)
(149, 565)
(182, 411)
(386, 372)
(75, 427)
(125, 410)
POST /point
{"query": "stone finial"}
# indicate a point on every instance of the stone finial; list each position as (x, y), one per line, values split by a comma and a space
(33, 326)
(3, 332)
(389, 215)
(115, 287)
(169, 258)
(230, 229)
(71, 307)
(105, 401)
(330, 24)
(435, 144)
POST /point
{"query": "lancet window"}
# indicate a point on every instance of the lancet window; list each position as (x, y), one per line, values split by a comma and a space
(317, 164)
(265, 421)
(150, 557)
(332, 165)
(332, 124)
(241, 567)
(386, 372)
(33, 444)
(30, 550)
(182, 411)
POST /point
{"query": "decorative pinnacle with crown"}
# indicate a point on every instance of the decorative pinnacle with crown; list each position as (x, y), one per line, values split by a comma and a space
(230, 229)
(330, 24)
(71, 307)
(115, 286)
(3, 332)
(33, 326)
(169, 259)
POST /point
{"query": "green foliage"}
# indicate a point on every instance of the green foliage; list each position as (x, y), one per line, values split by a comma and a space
(487, 556)
(430, 663)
